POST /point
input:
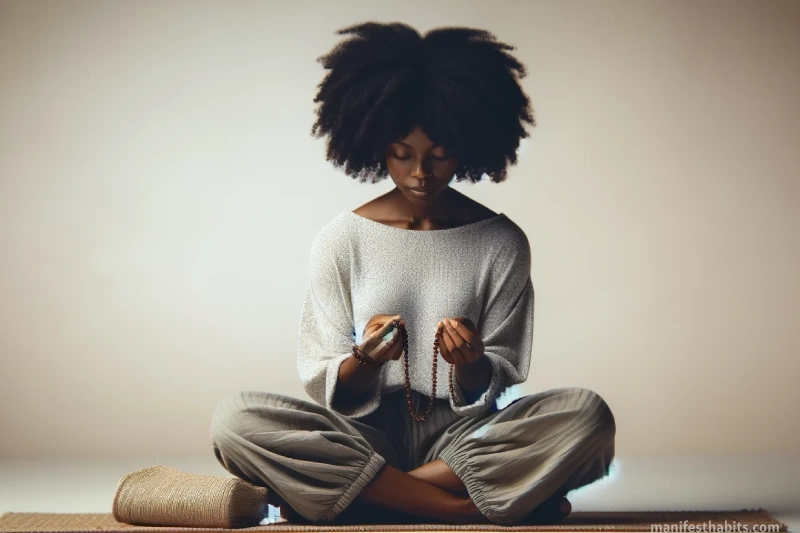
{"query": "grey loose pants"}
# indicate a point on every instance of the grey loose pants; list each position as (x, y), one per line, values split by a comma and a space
(510, 460)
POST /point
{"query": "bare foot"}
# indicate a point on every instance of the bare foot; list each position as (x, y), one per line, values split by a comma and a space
(551, 511)
(565, 508)
(287, 513)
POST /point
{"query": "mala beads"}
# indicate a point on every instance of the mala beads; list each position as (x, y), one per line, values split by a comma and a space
(368, 361)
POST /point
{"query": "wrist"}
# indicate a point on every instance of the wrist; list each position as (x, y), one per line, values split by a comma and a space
(472, 365)
(364, 359)
(475, 375)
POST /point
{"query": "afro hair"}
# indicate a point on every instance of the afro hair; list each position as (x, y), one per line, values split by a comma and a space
(457, 83)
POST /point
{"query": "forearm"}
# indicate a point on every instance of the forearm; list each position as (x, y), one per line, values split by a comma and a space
(354, 380)
(474, 377)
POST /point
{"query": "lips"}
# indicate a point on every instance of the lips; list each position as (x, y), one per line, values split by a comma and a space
(421, 189)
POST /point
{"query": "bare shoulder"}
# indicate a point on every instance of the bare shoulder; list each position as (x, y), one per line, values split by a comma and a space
(465, 210)
(366, 210)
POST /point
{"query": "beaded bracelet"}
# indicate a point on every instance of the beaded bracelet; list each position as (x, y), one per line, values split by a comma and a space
(366, 360)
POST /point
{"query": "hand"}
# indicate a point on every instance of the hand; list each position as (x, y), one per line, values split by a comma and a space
(375, 345)
(457, 332)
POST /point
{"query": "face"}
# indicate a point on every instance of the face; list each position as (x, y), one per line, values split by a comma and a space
(417, 162)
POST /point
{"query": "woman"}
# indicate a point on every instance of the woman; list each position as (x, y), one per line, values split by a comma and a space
(418, 268)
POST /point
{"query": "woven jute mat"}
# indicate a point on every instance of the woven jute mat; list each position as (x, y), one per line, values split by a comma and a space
(757, 520)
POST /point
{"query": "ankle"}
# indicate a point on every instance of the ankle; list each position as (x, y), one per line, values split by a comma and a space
(470, 513)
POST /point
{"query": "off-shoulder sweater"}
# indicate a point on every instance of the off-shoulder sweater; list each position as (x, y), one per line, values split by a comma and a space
(359, 267)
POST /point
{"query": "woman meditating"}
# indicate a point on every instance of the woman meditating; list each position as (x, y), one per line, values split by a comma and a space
(419, 272)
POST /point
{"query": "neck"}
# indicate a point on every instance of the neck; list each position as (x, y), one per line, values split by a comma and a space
(442, 208)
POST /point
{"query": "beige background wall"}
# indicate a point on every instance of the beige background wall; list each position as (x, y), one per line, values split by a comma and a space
(159, 190)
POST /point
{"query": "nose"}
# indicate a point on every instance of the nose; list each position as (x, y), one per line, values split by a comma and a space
(421, 170)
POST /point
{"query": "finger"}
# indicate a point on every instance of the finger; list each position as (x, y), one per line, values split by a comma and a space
(385, 321)
(443, 351)
(388, 331)
(387, 318)
(401, 323)
(455, 353)
(396, 351)
(382, 334)
(379, 321)
(458, 341)
(371, 342)
(389, 325)
(373, 327)
(446, 356)
(467, 322)
(458, 330)
(376, 321)
(475, 347)
(387, 342)
(368, 332)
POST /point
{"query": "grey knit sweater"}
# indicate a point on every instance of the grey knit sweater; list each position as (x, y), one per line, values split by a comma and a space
(359, 267)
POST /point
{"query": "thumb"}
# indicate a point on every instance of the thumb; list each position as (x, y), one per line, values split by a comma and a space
(387, 327)
(377, 337)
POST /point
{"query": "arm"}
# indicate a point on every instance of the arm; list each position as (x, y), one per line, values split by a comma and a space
(506, 329)
(474, 378)
(355, 380)
(329, 372)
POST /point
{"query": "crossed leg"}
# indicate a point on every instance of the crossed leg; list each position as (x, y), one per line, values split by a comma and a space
(313, 458)
(438, 473)
(432, 491)
(252, 441)
(520, 462)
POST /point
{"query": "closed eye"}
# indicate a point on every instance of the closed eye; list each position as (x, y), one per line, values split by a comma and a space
(434, 157)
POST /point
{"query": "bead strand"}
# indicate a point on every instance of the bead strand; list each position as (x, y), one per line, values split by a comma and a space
(368, 361)
(365, 359)
(411, 407)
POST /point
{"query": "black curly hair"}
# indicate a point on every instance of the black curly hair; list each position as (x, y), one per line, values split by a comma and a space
(457, 83)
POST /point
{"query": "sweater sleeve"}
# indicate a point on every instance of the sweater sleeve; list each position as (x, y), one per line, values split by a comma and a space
(506, 327)
(325, 339)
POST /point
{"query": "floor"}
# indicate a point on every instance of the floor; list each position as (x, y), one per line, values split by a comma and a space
(635, 483)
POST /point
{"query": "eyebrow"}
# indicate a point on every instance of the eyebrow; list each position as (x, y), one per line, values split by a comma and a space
(409, 146)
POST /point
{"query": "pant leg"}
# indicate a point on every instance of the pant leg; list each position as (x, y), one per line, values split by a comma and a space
(314, 458)
(512, 460)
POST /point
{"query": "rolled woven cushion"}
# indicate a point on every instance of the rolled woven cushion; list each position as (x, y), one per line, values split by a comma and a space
(165, 496)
